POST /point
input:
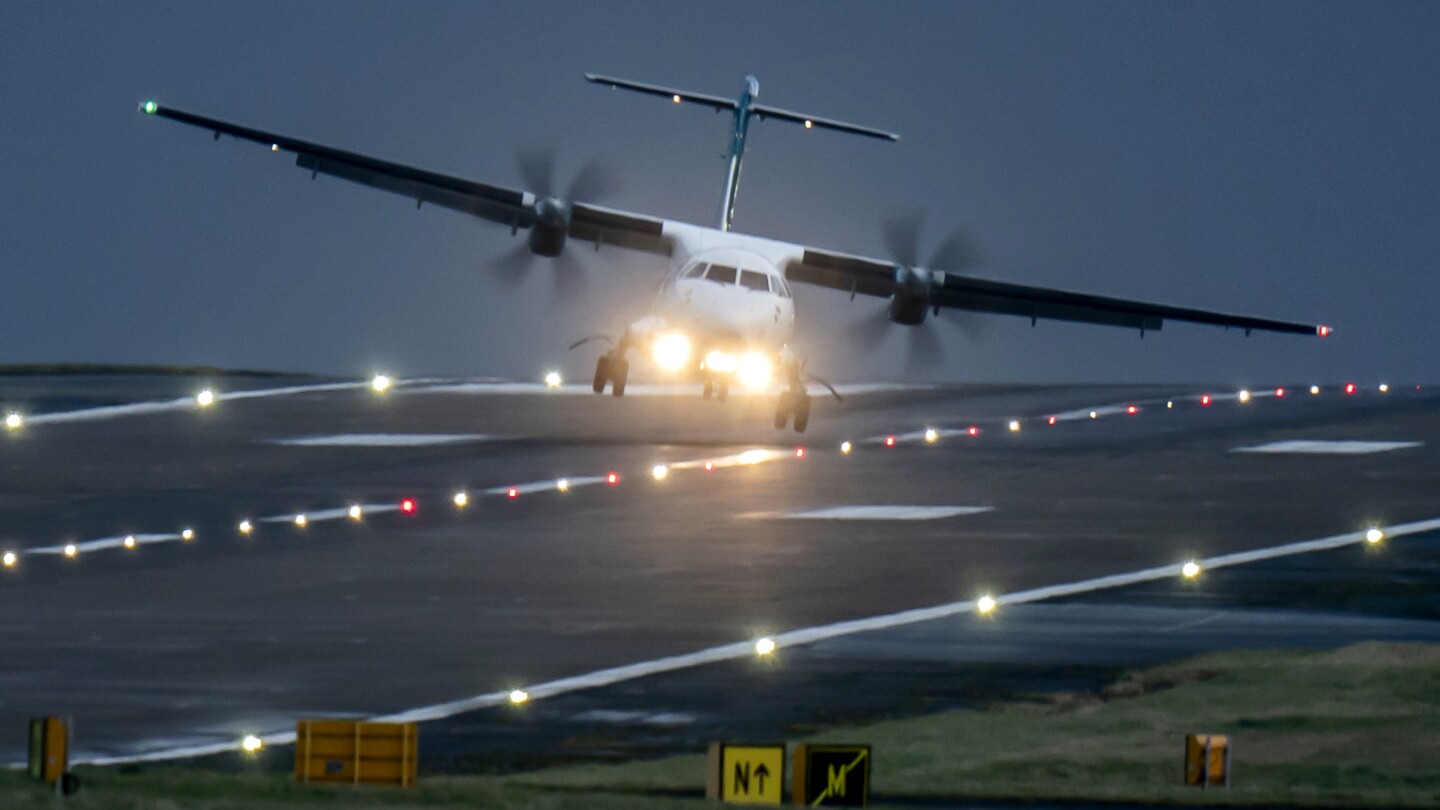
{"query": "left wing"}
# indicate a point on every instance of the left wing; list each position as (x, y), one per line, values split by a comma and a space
(514, 208)
(861, 276)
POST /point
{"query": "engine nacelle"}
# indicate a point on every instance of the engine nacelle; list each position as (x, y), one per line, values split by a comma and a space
(552, 224)
(911, 299)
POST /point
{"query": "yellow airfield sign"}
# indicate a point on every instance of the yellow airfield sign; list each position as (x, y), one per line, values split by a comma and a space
(745, 774)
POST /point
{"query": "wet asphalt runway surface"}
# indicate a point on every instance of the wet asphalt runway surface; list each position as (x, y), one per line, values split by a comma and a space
(178, 643)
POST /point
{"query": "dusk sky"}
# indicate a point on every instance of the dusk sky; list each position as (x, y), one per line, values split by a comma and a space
(1276, 159)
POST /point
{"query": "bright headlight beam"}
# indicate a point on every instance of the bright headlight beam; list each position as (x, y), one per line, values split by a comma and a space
(671, 351)
(754, 370)
(723, 362)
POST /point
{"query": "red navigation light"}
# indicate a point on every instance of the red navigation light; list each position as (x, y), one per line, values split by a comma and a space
(1323, 331)
(1051, 420)
(612, 479)
(512, 492)
(799, 452)
(1280, 392)
(973, 431)
(889, 441)
(709, 466)
(408, 506)
(1205, 399)
(1349, 388)
(1132, 410)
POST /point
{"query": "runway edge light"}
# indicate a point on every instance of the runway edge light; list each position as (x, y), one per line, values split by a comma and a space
(1190, 569)
(764, 646)
(1374, 535)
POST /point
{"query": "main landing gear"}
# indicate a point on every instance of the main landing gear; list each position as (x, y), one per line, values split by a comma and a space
(613, 369)
(719, 390)
(794, 402)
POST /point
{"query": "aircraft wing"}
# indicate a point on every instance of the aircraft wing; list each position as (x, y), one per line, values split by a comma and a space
(861, 276)
(506, 206)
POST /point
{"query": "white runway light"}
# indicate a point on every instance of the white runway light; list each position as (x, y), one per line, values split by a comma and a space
(1190, 570)
(187, 535)
(1014, 425)
(765, 646)
(846, 447)
(1314, 389)
(356, 512)
(461, 499)
(302, 521)
(985, 604)
(519, 696)
(1243, 397)
(563, 485)
(1384, 388)
(246, 527)
(205, 398)
(70, 550)
(660, 472)
(1374, 535)
(129, 541)
(251, 744)
(553, 379)
(381, 383)
(9, 559)
(931, 435)
(14, 421)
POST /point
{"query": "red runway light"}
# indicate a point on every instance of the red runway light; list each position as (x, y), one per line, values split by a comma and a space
(1205, 400)
(889, 441)
(1132, 410)
(1051, 420)
(612, 479)
(799, 452)
(1349, 388)
(973, 431)
(408, 506)
(513, 492)
(1280, 392)
(709, 466)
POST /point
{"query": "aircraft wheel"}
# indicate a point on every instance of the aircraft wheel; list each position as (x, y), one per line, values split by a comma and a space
(722, 392)
(602, 374)
(709, 389)
(782, 411)
(802, 413)
(619, 370)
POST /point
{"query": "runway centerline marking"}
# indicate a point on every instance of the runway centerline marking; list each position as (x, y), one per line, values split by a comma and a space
(793, 638)
(1327, 447)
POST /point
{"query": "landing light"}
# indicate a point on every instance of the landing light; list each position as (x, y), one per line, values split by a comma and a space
(671, 351)
(251, 744)
(1374, 535)
(809, 124)
(659, 472)
(14, 421)
(675, 98)
(71, 550)
(129, 541)
(723, 362)
(381, 383)
(461, 499)
(754, 370)
(553, 379)
(1190, 569)
(519, 696)
(9, 559)
(1243, 397)
(931, 435)
(205, 398)
(246, 527)
(985, 604)
(563, 485)
(765, 646)
(356, 512)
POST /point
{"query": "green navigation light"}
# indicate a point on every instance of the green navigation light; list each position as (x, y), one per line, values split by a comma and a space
(150, 107)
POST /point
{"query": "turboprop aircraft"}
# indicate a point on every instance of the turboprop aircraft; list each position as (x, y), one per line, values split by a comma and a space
(725, 312)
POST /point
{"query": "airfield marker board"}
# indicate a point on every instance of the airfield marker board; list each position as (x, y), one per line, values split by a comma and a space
(745, 774)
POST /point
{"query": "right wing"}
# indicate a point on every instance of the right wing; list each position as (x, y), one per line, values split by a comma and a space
(512, 207)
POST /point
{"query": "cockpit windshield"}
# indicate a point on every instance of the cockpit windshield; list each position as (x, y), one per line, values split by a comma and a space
(753, 280)
(721, 274)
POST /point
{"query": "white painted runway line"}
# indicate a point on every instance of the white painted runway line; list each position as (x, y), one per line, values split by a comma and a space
(1319, 447)
(382, 439)
(793, 638)
(500, 387)
(181, 404)
(876, 512)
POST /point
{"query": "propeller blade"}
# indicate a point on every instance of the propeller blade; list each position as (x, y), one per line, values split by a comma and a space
(512, 265)
(592, 183)
(955, 253)
(869, 332)
(568, 283)
(536, 165)
(925, 350)
(902, 237)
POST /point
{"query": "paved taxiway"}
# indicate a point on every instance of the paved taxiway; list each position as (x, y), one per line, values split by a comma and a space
(179, 643)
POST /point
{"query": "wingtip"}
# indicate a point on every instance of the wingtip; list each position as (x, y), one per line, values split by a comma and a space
(1324, 330)
(148, 107)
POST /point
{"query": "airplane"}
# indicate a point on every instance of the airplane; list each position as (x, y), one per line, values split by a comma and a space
(725, 312)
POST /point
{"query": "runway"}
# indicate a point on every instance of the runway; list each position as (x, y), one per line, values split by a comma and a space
(181, 643)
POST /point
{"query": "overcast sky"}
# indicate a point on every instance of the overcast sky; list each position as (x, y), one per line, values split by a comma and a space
(1270, 158)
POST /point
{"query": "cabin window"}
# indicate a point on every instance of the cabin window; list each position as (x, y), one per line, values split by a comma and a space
(754, 280)
(720, 274)
(696, 271)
